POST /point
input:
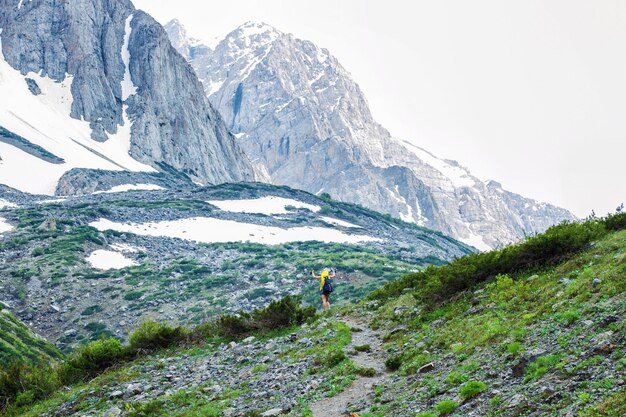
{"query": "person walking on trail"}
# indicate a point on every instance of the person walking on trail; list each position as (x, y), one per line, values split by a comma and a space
(326, 285)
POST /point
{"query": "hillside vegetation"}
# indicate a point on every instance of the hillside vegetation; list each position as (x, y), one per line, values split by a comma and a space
(536, 329)
(17, 342)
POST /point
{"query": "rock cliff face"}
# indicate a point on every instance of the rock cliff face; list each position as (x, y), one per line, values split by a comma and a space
(124, 76)
(302, 119)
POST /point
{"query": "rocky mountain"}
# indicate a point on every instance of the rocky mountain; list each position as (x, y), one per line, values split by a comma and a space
(302, 119)
(78, 267)
(96, 84)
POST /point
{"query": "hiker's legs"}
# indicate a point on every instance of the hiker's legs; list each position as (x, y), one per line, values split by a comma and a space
(326, 301)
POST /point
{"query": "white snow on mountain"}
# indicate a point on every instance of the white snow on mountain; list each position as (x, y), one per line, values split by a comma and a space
(211, 230)
(5, 226)
(44, 120)
(106, 259)
(131, 187)
(128, 87)
(263, 205)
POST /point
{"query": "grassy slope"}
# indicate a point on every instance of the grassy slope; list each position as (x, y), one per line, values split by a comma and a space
(17, 342)
(555, 318)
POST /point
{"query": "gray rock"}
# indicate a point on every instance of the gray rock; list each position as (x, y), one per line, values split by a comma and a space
(116, 394)
(33, 87)
(113, 412)
(272, 413)
(134, 389)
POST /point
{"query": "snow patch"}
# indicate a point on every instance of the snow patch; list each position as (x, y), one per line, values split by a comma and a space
(4, 226)
(476, 241)
(7, 204)
(213, 87)
(128, 87)
(457, 175)
(51, 201)
(338, 222)
(264, 205)
(210, 230)
(131, 187)
(106, 259)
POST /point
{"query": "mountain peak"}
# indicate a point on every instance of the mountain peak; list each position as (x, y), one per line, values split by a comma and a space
(252, 28)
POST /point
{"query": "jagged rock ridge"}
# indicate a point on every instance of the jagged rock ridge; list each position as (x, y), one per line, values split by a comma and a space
(113, 70)
(301, 118)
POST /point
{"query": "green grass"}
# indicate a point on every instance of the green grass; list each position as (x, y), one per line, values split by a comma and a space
(18, 343)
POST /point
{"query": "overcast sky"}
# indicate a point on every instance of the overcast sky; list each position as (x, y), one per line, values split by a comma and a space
(530, 93)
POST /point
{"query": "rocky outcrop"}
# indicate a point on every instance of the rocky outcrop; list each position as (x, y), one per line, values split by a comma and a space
(302, 119)
(87, 181)
(124, 70)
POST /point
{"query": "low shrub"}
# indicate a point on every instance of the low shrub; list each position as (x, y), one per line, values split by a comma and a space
(514, 348)
(278, 314)
(21, 384)
(616, 221)
(435, 284)
(92, 359)
(151, 335)
(366, 372)
(394, 363)
(611, 406)
(362, 348)
(282, 313)
(446, 407)
(540, 367)
(471, 389)
(331, 358)
(456, 378)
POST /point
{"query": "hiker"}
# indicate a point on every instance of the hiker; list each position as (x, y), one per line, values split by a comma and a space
(326, 285)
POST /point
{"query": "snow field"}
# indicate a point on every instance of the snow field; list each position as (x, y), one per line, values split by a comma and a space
(264, 205)
(106, 259)
(210, 230)
(4, 226)
(131, 187)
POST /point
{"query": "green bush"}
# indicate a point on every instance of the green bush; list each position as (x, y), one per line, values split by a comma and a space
(456, 378)
(362, 348)
(151, 335)
(282, 313)
(91, 310)
(133, 295)
(21, 384)
(616, 221)
(514, 348)
(331, 358)
(446, 407)
(426, 414)
(90, 360)
(149, 409)
(611, 406)
(434, 285)
(540, 367)
(366, 372)
(278, 314)
(394, 363)
(471, 389)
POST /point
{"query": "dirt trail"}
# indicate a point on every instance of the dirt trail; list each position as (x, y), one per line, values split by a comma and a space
(362, 387)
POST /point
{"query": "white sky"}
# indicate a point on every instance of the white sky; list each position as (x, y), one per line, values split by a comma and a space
(530, 93)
